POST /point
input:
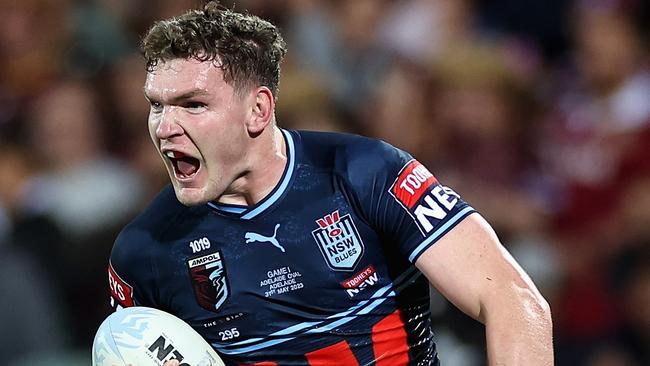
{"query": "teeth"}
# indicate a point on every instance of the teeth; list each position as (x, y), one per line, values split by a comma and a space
(173, 154)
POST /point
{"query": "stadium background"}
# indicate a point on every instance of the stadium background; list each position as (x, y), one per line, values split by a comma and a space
(537, 112)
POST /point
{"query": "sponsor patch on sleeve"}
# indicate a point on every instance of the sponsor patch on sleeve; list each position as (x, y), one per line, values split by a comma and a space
(420, 194)
(413, 181)
(121, 291)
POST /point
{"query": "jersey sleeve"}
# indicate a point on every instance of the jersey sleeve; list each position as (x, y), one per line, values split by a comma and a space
(402, 199)
(131, 276)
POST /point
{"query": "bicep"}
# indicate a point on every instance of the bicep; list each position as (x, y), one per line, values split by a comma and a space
(472, 269)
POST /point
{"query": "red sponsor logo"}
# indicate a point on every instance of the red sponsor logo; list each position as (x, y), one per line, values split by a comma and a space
(413, 181)
(121, 291)
(359, 278)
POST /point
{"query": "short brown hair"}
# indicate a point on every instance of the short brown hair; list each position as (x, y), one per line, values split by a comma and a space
(248, 49)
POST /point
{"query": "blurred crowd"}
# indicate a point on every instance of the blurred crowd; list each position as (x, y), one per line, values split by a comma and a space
(537, 112)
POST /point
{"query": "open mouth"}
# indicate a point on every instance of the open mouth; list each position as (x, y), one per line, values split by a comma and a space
(185, 166)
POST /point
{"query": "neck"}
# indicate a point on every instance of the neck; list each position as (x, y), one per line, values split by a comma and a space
(267, 159)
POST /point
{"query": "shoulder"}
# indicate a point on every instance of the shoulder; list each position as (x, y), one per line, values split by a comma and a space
(351, 155)
(149, 226)
(134, 260)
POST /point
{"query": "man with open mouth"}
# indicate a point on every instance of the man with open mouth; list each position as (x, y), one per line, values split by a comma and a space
(319, 247)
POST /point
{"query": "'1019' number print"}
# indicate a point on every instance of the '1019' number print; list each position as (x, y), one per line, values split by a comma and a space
(200, 244)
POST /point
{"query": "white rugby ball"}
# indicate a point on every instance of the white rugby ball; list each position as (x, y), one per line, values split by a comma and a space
(142, 336)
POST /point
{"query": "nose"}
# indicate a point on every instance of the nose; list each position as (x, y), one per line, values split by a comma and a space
(168, 126)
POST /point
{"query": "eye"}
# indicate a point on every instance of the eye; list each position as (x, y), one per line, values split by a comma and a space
(194, 107)
(156, 107)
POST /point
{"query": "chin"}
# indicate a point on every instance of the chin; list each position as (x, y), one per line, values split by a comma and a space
(191, 196)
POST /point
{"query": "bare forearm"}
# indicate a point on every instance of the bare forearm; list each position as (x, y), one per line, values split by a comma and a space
(520, 334)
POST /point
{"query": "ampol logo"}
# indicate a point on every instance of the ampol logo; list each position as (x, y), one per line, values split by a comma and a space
(209, 281)
(339, 241)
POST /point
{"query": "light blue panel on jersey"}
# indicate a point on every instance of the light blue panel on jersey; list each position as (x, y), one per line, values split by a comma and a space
(231, 209)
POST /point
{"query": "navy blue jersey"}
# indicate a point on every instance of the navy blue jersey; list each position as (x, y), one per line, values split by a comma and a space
(320, 272)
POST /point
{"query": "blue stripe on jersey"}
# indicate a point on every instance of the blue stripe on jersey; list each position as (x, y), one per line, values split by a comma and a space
(363, 307)
(440, 232)
(367, 309)
(231, 209)
(291, 155)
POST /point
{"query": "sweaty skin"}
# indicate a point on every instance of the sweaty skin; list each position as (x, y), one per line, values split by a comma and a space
(475, 272)
(230, 137)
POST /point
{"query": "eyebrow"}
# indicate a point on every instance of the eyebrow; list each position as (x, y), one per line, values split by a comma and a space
(182, 97)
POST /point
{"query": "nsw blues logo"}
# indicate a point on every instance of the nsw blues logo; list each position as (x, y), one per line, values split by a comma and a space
(209, 281)
(339, 241)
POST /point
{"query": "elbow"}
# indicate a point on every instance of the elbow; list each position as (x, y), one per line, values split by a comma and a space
(540, 326)
(536, 310)
(521, 304)
(531, 302)
(544, 307)
(537, 302)
(521, 332)
(543, 310)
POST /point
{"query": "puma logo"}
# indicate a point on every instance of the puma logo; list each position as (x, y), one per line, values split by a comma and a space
(253, 237)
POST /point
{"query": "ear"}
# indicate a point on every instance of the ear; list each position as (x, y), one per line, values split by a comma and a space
(262, 113)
